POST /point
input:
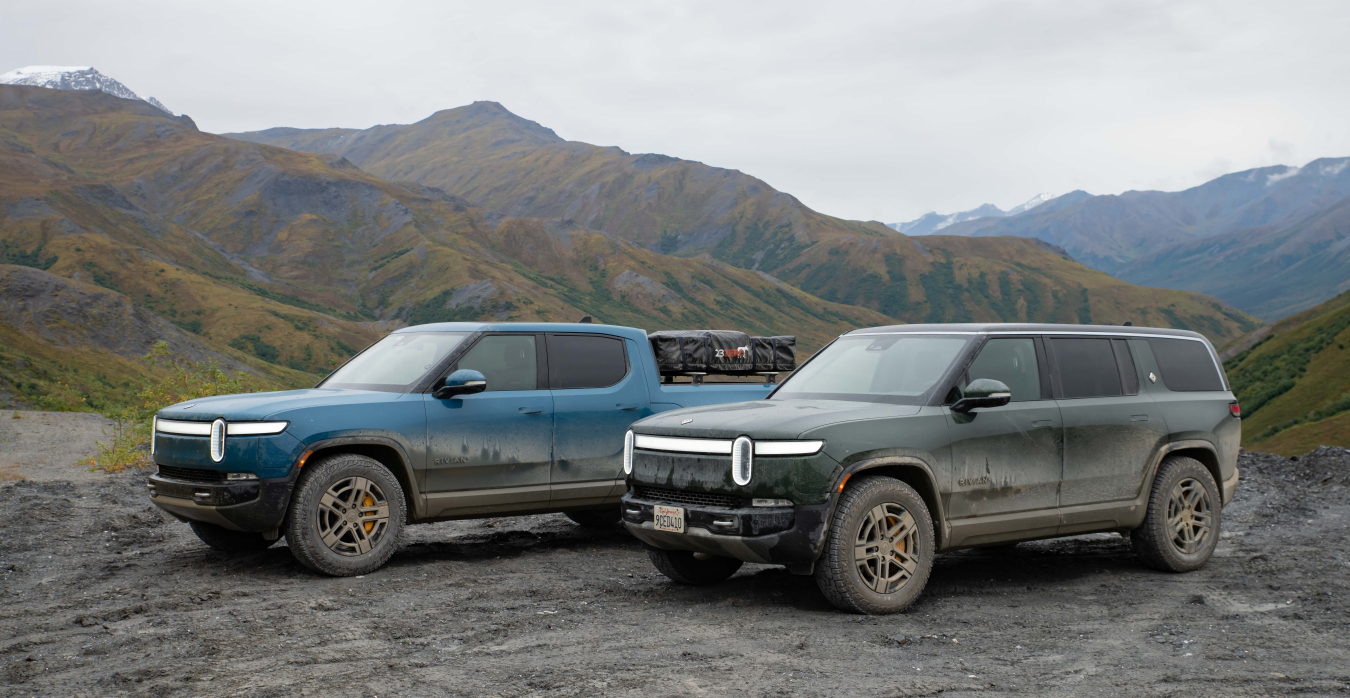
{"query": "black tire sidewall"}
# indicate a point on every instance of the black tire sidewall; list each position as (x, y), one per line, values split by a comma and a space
(301, 527)
(839, 578)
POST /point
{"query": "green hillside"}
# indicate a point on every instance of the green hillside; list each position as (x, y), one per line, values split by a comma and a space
(503, 162)
(1293, 381)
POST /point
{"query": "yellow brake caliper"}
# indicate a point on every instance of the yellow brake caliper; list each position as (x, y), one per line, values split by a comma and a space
(369, 501)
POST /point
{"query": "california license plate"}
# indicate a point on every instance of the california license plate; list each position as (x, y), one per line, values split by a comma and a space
(666, 518)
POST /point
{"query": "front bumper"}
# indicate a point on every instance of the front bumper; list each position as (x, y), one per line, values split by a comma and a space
(791, 536)
(238, 505)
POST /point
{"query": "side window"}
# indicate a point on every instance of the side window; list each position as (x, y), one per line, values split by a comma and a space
(1087, 367)
(507, 361)
(585, 361)
(1011, 362)
(1185, 365)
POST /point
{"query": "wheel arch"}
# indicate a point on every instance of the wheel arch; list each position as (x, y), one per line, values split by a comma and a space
(386, 452)
(913, 472)
(1202, 451)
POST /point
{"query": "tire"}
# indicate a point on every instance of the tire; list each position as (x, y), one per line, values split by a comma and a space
(695, 569)
(896, 570)
(334, 537)
(227, 541)
(1185, 495)
(596, 518)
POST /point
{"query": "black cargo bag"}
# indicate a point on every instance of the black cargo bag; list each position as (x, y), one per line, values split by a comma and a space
(775, 354)
(702, 351)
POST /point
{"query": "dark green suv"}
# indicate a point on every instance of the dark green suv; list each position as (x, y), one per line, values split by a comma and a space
(894, 443)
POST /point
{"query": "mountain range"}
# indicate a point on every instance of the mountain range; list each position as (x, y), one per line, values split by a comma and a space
(283, 252)
(1272, 241)
(80, 77)
(931, 222)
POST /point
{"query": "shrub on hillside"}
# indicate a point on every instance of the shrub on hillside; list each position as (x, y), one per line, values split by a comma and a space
(180, 381)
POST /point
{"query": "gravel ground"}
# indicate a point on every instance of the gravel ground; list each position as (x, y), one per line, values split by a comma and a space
(103, 595)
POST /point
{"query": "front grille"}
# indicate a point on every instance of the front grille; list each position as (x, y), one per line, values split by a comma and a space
(697, 499)
(190, 474)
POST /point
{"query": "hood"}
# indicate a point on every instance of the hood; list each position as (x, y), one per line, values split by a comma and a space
(247, 407)
(765, 419)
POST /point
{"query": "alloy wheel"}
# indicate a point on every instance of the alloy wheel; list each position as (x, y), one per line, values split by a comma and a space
(885, 549)
(353, 516)
(1189, 517)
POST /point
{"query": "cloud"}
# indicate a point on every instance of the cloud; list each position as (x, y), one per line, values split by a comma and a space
(871, 110)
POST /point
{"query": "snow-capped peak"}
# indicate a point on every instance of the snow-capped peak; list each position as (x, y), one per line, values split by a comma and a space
(1035, 201)
(77, 77)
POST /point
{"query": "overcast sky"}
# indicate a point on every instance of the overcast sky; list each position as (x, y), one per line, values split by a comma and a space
(862, 110)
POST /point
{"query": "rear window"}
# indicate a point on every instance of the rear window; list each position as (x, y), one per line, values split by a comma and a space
(1087, 367)
(585, 361)
(1185, 365)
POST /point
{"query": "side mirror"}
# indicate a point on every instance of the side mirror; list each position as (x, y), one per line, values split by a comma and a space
(465, 381)
(983, 392)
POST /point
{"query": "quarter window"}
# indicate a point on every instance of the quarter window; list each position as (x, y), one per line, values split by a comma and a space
(585, 361)
(1087, 367)
(1185, 364)
(508, 362)
(1011, 362)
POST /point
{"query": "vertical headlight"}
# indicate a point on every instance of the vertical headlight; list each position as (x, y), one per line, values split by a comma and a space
(741, 460)
(218, 440)
(154, 430)
(628, 453)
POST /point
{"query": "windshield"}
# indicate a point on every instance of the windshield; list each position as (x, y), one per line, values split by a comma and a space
(895, 368)
(396, 362)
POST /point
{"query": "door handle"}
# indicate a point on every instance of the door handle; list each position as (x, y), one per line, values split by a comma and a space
(531, 410)
(1138, 418)
(1038, 423)
(627, 407)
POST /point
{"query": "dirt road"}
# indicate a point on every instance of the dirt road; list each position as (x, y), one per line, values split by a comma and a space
(105, 596)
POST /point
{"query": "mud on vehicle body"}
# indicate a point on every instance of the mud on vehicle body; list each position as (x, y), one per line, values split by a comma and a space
(894, 443)
(435, 422)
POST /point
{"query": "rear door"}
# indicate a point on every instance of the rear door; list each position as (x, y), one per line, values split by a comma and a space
(598, 391)
(1111, 430)
(1008, 460)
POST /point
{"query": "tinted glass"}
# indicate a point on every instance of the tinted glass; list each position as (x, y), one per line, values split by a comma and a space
(396, 362)
(894, 368)
(1087, 367)
(585, 361)
(1185, 364)
(1128, 376)
(507, 361)
(1011, 362)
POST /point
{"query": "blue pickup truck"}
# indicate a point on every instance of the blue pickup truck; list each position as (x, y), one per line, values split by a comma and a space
(433, 422)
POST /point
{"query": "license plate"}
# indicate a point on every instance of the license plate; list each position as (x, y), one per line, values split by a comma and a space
(668, 518)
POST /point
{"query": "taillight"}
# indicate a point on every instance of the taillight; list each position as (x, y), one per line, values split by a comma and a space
(1235, 409)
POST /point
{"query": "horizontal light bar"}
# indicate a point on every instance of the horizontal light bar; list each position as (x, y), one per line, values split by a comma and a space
(788, 448)
(720, 447)
(678, 445)
(167, 426)
(254, 428)
(172, 426)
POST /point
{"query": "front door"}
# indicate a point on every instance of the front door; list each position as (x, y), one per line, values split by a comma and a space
(492, 451)
(598, 393)
(1007, 461)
